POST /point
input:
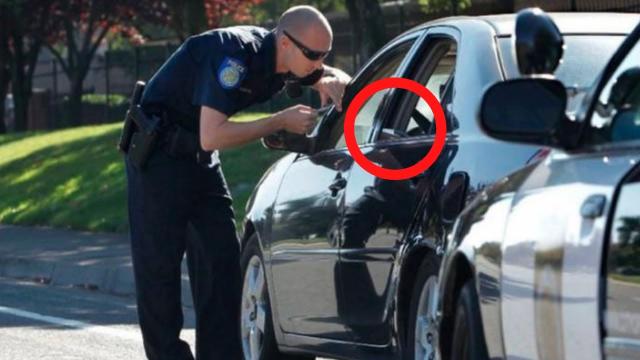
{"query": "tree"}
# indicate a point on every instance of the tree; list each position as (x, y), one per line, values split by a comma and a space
(82, 27)
(84, 24)
(26, 23)
(453, 7)
(4, 66)
(186, 17)
(194, 16)
(368, 26)
(271, 10)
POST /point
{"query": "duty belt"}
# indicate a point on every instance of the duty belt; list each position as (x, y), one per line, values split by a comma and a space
(179, 142)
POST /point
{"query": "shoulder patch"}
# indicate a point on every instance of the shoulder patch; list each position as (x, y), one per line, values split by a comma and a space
(231, 72)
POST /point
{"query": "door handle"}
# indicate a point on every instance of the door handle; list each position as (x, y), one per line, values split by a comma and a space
(338, 184)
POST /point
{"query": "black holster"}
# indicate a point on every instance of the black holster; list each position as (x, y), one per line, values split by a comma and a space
(140, 131)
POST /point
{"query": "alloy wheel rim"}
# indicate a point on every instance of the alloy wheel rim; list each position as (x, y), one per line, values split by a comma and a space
(426, 325)
(253, 314)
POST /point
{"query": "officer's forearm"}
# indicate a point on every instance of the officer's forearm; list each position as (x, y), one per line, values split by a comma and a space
(217, 133)
(232, 134)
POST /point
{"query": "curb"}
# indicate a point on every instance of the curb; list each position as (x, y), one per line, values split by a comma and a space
(103, 279)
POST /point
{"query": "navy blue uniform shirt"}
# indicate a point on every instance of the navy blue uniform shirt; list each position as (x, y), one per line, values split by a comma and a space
(226, 69)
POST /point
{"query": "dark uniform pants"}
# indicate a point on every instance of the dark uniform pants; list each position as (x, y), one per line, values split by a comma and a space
(170, 195)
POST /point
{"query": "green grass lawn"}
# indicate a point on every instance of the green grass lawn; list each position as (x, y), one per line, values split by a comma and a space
(75, 178)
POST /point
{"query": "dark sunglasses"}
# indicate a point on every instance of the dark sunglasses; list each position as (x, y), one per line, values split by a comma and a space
(312, 55)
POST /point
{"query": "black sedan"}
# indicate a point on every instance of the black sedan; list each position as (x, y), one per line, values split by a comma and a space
(340, 263)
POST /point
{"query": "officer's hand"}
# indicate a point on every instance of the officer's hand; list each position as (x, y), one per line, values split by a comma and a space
(332, 87)
(298, 119)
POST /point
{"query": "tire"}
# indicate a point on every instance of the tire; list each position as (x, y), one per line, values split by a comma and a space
(422, 326)
(256, 321)
(468, 339)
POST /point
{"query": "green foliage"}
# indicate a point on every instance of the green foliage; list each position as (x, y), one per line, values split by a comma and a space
(101, 99)
(272, 9)
(444, 6)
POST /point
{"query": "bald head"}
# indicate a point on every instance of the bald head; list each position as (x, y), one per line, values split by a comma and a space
(302, 33)
(304, 19)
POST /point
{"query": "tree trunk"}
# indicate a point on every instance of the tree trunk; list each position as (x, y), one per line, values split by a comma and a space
(21, 96)
(187, 19)
(4, 89)
(368, 27)
(195, 16)
(23, 61)
(75, 99)
(21, 90)
(4, 69)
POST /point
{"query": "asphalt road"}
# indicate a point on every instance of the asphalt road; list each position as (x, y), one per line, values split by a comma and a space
(47, 322)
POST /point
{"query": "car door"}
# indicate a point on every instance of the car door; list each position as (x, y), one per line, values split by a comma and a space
(307, 216)
(553, 249)
(620, 129)
(622, 320)
(377, 211)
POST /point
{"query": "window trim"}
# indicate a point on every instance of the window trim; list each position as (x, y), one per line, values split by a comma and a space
(406, 104)
(433, 37)
(585, 115)
(364, 74)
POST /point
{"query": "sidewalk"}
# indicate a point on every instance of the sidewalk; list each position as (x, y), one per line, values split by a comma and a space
(98, 262)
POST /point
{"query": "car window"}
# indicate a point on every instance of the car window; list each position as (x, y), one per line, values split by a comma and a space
(616, 117)
(440, 83)
(436, 72)
(365, 118)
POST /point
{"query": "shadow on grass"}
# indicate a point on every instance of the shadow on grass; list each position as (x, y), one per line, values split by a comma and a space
(78, 185)
(6, 139)
(81, 184)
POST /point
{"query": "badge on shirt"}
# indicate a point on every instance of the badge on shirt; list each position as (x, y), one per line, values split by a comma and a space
(231, 72)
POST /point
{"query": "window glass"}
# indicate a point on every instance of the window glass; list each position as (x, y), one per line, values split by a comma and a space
(440, 83)
(366, 115)
(616, 116)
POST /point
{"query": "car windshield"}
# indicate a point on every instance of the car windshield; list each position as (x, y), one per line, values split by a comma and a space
(584, 57)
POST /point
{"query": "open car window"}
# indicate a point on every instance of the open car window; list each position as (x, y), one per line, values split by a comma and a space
(411, 115)
(440, 83)
(387, 66)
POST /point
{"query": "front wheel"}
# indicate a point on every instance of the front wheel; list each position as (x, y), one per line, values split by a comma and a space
(422, 332)
(256, 323)
(468, 340)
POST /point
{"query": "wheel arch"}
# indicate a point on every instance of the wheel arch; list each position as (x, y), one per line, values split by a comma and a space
(457, 274)
(408, 275)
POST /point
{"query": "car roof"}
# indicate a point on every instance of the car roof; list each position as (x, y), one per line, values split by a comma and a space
(569, 23)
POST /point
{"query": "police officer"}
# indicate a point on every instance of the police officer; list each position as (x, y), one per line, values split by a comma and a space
(209, 78)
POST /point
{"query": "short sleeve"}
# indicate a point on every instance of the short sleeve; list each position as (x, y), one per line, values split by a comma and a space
(217, 81)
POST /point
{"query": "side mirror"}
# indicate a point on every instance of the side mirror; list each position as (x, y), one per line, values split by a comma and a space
(538, 42)
(626, 90)
(529, 111)
(287, 141)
